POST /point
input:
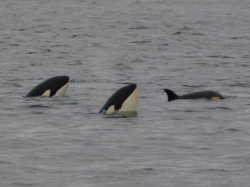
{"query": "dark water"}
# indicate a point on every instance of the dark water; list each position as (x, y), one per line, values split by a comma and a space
(185, 46)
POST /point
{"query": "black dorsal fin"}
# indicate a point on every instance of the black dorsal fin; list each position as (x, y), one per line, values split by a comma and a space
(171, 95)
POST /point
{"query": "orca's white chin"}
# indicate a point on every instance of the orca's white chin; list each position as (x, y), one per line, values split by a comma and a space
(131, 103)
(62, 90)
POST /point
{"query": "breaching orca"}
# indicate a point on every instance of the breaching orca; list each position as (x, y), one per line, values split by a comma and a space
(55, 86)
(123, 102)
(195, 95)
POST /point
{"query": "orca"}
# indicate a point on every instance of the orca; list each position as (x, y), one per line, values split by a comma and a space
(123, 102)
(195, 95)
(55, 86)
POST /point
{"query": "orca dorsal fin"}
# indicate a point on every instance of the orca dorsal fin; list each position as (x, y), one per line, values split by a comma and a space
(171, 95)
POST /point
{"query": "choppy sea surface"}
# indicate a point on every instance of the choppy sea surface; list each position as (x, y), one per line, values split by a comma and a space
(183, 45)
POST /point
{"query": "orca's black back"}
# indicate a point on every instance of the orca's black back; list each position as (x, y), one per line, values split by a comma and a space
(202, 94)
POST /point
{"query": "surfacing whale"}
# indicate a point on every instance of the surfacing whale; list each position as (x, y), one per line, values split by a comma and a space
(55, 86)
(123, 102)
(208, 94)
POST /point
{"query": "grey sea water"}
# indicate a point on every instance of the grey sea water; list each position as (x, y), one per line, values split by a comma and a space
(185, 46)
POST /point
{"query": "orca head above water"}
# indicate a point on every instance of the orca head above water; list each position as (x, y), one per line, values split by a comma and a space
(55, 86)
(124, 101)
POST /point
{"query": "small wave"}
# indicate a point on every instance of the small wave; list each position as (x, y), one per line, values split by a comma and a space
(22, 184)
(218, 170)
(46, 51)
(141, 42)
(221, 56)
(77, 36)
(122, 115)
(143, 171)
(246, 56)
(136, 60)
(237, 95)
(75, 63)
(5, 162)
(193, 86)
(14, 45)
(233, 129)
(139, 27)
(37, 112)
(72, 81)
(8, 95)
(240, 38)
(177, 33)
(31, 52)
(90, 111)
(82, 35)
(39, 106)
(190, 111)
(114, 116)
(198, 34)
(186, 28)
(238, 85)
(221, 108)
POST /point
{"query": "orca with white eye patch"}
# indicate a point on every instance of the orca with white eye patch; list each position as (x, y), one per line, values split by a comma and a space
(123, 102)
(55, 86)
